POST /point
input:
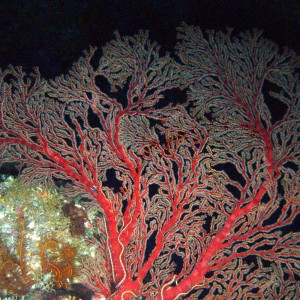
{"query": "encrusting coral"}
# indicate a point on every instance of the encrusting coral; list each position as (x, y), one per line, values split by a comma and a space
(37, 248)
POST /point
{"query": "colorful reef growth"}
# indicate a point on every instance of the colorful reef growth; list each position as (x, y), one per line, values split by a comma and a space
(192, 160)
(37, 247)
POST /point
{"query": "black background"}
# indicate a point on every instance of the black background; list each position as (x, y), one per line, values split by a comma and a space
(52, 34)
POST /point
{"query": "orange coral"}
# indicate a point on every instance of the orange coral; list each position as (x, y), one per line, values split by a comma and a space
(57, 260)
(13, 273)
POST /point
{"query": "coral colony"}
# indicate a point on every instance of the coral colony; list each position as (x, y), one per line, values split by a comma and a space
(178, 176)
(39, 249)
